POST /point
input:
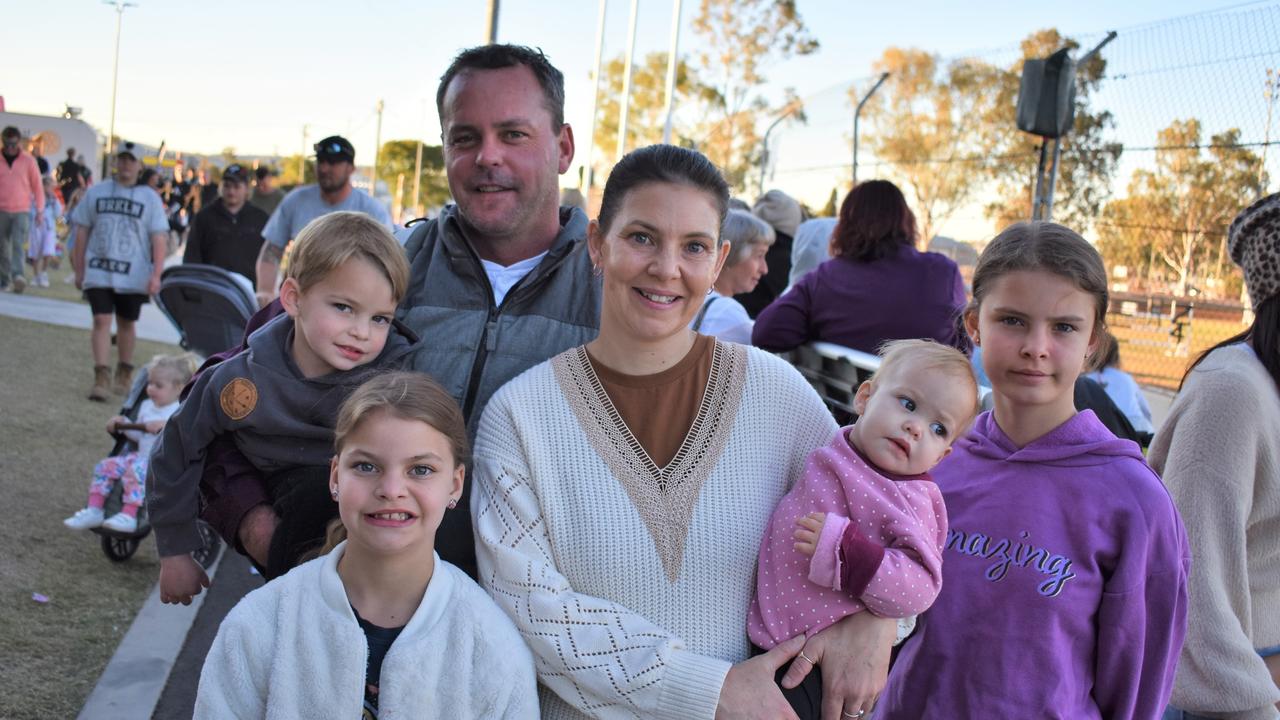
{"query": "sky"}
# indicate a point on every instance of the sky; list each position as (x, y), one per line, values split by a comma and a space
(250, 74)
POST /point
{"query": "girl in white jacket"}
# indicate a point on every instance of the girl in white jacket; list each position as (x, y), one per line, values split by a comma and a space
(380, 626)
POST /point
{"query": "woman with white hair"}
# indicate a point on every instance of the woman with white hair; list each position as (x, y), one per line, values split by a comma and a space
(748, 238)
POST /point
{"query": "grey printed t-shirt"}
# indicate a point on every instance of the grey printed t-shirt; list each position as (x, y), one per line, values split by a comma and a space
(121, 221)
(304, 204)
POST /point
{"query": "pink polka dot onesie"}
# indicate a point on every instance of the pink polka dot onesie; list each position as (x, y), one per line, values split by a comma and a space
(880, 549)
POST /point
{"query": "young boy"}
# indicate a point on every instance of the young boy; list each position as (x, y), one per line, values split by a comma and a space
(278, 399)
(865, 525)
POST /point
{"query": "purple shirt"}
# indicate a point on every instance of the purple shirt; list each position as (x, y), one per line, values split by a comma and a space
(861, 304)
(1064, 590)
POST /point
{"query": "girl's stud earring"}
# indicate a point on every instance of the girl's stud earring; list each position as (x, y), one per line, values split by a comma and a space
(453, 503)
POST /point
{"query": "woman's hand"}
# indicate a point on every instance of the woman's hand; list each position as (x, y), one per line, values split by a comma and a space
(749, 691)
(808, 530)
(854, 655)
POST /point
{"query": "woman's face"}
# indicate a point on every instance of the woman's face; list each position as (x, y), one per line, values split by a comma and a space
(659, 259)
(743, 277)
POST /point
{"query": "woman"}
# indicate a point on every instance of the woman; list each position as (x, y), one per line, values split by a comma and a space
(876, 287)
(811, 248)
(1219, 454)
(784, 214)
(622, 487)
(748, 239)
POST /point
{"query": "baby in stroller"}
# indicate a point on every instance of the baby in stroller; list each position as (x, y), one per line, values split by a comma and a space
(166, 375)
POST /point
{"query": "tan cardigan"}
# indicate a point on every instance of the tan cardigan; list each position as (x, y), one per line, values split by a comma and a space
(1219, 455)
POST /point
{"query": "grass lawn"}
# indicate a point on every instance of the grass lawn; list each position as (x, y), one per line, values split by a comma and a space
(51, 654)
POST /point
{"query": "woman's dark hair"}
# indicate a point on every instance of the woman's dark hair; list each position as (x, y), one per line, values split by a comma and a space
(1263, 334)
(1048, 247)
(497, 57)
(874, 221)
(662, 164)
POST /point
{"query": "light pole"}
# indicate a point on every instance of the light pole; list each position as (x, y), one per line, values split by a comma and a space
(119, 5)
(857, 114)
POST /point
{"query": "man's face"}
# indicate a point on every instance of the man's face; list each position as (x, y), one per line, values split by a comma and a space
(333, 174)
(266, 184)
(11, 145)
(234, 194)
(127, 170)
(501, 154)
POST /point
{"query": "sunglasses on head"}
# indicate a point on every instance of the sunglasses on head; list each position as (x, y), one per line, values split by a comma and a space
(331, 149)
(233, 170)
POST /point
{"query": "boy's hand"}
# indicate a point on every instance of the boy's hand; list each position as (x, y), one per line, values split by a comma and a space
(808, 530)
(155, 426)
(181, 578)
(113, 422)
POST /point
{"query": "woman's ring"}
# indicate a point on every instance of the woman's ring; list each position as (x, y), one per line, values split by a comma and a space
(858, 714)
(808, 659)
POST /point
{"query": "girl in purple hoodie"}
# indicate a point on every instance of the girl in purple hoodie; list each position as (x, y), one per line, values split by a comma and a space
(1064, 574)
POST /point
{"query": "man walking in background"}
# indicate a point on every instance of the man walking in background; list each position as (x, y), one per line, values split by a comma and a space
(228, 231)
(19, 186)
(266, 196)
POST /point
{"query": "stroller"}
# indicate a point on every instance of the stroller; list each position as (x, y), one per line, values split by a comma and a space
(120, 546)
(208, 305)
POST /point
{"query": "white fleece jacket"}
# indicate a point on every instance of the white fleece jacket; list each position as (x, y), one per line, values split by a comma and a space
(293, 649)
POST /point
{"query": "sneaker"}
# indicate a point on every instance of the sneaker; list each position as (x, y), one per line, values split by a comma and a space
(19, 284)
(42, 280)
(85, 519)
(121, 523)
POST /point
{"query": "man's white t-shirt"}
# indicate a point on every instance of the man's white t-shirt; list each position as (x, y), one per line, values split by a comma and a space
(504, 277)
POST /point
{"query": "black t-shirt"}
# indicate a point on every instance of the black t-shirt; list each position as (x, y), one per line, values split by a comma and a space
(380, 640)
(69, 173)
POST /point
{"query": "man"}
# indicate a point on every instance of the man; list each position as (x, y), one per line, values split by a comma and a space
(19, 186)
(498, 283)
(335, 163)
(121, 240)
(228, 231)
(69, 175)
(266, 196)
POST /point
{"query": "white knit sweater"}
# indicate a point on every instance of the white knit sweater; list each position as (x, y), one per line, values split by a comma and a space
(1219, 455)
(631, 584)
(293, 649)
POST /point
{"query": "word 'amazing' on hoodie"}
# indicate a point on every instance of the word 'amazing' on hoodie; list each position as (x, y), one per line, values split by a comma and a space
(1064, 583)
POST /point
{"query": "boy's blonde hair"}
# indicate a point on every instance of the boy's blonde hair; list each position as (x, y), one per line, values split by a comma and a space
(930, 355)
(330, 240)
(179, 367)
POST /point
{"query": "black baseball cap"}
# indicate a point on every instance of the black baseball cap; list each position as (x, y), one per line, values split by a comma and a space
(335, 147)
(126, 149)
(263, 171)
(235, 172)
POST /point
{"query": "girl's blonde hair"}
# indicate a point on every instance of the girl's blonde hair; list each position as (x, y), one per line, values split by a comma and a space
(179, 367)
(404, 395)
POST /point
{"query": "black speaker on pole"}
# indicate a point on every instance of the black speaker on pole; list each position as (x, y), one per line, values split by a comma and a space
(1046, 104)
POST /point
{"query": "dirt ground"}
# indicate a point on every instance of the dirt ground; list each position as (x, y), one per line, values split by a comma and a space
(51, 653)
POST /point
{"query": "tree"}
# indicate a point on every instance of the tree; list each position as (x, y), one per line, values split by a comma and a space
(1174, 218)
(645, 118)
(1087, 161)
(400, 156)
(289, 176)
(740, 39)
(929, 123)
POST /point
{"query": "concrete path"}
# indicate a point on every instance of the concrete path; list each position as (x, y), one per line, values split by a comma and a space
(152, 325)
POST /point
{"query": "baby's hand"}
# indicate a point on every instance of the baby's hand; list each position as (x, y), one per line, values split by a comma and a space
(808, 530)
(181, 578)
(113, 422)
(155, 426)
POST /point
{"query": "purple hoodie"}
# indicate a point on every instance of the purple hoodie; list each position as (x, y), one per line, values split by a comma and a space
(1064, 590)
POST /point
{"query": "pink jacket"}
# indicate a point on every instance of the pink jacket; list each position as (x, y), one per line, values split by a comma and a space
(880, 549)
(20, 183)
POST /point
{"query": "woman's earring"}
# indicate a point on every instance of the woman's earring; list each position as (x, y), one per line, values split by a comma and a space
(453, 503)
(333, 490)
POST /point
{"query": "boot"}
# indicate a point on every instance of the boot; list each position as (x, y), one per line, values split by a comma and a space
(101, 383)
(124, 378)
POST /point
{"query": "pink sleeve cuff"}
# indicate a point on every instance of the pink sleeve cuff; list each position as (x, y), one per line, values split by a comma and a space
(825, 566)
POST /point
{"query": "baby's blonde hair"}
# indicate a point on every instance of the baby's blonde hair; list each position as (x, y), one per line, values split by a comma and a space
(331, 240)
(179, 367)
(930, 355)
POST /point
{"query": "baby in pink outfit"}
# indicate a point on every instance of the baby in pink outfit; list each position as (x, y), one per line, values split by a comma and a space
(864, 526)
